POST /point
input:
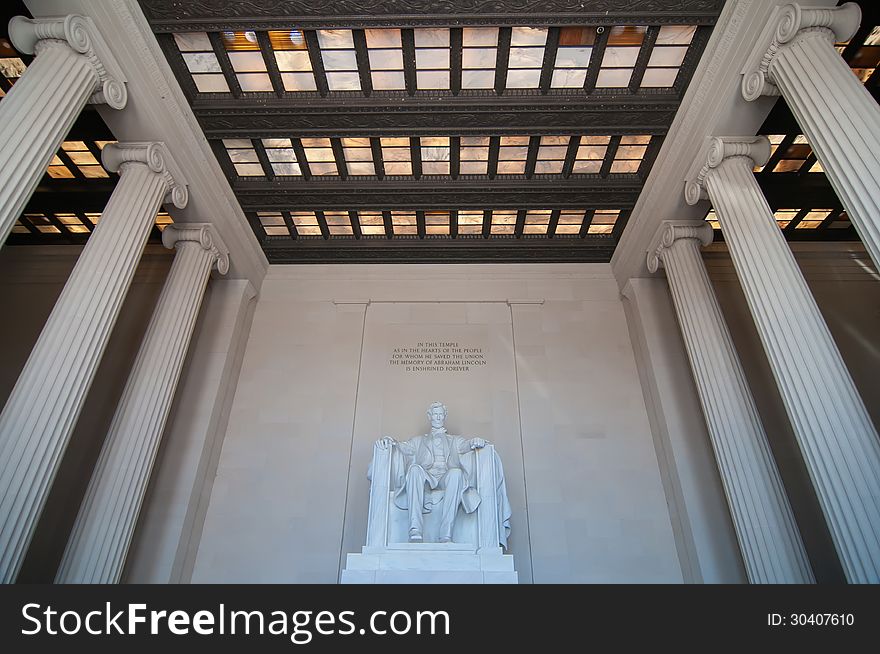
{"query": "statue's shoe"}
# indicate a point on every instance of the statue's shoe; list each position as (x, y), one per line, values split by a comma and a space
(415, 536)
(446, 539)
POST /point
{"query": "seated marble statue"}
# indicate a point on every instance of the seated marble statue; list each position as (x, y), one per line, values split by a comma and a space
(444, 462)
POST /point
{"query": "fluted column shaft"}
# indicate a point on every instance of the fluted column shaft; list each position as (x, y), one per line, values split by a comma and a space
(41, 412)
(835, 434)
(766, 530)
(41, 107)
(833, 108)
(100, 538)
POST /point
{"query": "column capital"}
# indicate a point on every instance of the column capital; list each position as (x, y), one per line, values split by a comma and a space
(80, 33)
(715, 152)
(787, 22)
(156, 157)
(202, 233)
(671, 231)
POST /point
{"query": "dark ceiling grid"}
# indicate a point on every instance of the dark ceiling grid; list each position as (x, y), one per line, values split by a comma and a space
(453, 113)
(415, 113)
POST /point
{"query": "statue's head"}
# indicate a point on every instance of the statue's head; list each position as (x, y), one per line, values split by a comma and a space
(437, 414)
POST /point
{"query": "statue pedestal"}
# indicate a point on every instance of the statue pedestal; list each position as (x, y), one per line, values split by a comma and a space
(473, 557)
(429, 563)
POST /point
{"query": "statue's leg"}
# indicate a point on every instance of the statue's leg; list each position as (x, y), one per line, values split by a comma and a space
(454, 487)
(416, 478)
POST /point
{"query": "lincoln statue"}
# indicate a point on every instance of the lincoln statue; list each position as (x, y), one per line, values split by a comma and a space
(434, 461)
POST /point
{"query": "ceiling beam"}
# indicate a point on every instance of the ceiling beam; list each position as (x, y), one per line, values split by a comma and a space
(216, 15)
(576, 192)
(643, 113)
(463, 249)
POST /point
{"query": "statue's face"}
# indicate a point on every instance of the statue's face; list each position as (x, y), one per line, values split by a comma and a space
(438, 417)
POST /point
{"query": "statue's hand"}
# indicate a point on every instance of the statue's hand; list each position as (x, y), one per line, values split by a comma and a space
(385, 443)
(477, 443)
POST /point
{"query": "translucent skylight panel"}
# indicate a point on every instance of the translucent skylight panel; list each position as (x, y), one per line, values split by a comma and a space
(629, 155)
(479, 56)
(603, 221)
(437, 223)
(42, 223)
(512, 155)
(396, 156)
(292, 57)
(526, 57)
(590, 154)
(785, 216)
(814, 219)
(249, 67)
(621, 53)
(240, 41)
(57, 169)
(72, 223)
(551, 155)
(403, 222)
(338, 223)
(358, 156)
(470, 221)
(432, 58)
(573, 57)
(292, 39)
(385, 51)
(243, 157)
(340, 61)
(306, 223)
(193, 42)
(435, 155)
(372, 223)
(319, 154)
(12, 67)
(282, 156)
(201, 62)
(163, 219)
(474, 155)
(794, 156)
(503, 221)
(19, 228)
(676, 35)
(570, 221)
(247, 61)
(79, 153)
(272, 223)
(667, 55)
(712, 219)
(537, 221)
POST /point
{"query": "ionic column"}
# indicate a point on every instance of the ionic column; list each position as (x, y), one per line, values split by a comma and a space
(41, 412)
(100, 538)
(835, 434)
(767, 533)
(797, 59)
(72, 66)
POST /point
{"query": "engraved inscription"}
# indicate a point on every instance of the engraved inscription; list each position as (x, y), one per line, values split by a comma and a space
(436, 357)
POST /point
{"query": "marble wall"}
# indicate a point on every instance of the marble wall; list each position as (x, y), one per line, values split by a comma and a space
(559, 394)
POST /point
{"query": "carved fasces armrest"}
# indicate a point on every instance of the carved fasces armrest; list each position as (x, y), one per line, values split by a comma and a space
(380, 464)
